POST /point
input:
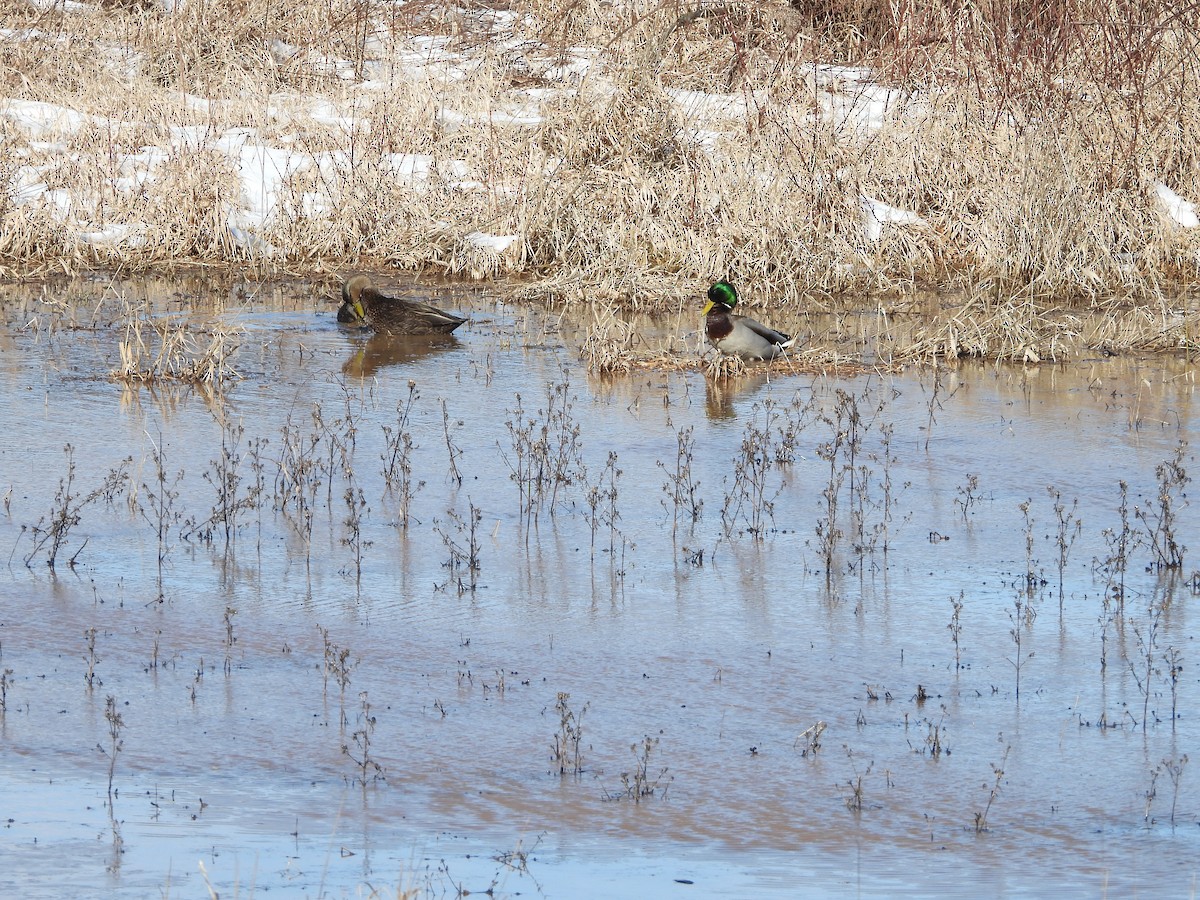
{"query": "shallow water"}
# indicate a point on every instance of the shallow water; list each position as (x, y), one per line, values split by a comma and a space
(722, 642)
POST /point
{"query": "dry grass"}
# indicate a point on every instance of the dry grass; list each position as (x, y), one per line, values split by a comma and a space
(1027, 328)
(1014, 329)
(1029, 152)
(1162, 328)
(168, 347)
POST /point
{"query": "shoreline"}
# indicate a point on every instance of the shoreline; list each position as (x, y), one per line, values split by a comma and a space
(525, 141)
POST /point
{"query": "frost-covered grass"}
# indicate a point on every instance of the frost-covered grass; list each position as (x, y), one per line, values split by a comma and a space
(626, 151)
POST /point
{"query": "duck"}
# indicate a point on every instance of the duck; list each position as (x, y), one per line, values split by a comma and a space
(735, 335)
(364, 305)
(348, 317)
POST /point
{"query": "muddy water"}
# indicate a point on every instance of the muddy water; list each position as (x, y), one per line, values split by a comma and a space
(284, 649)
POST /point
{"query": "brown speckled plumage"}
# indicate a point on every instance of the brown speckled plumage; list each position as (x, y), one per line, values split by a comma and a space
(362, 305)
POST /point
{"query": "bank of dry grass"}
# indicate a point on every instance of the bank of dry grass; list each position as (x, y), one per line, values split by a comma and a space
(1026, 135)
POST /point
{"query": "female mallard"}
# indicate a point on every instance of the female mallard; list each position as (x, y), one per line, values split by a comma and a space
(362, 304)
(736, 335)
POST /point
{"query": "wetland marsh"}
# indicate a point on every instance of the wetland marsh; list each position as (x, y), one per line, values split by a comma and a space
(374, 619)
(544, 608)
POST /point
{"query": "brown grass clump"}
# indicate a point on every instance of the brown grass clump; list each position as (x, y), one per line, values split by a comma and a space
(628, 153)
(1169, 328)
(1028, 328)
(1014, 329)
(169, 348)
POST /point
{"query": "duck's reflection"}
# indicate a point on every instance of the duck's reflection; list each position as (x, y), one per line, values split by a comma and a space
(380, 351)
(721, 392)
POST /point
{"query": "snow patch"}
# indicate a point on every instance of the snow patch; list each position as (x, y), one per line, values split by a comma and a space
(876, 214)
(112, 236)
(1181, 212)
(497, 243)
(39, 119)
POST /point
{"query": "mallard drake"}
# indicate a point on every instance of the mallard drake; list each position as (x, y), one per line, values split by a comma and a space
(362, 304)
(736, 335)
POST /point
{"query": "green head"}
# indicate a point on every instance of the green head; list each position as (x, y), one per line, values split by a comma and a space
(721, 294)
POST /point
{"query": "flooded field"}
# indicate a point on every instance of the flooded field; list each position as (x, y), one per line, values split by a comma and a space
(454, 616)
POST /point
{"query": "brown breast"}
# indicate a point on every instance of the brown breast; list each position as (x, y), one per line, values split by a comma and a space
(718, 325)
